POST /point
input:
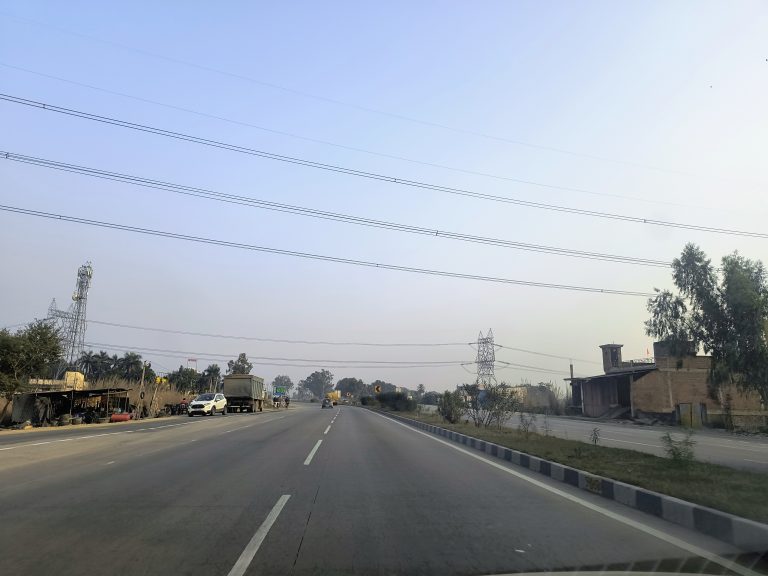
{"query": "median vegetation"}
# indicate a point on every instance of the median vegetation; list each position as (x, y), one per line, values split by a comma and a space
(734, 491)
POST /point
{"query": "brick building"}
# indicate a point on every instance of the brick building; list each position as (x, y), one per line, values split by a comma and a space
(665, 387)
(536, 398)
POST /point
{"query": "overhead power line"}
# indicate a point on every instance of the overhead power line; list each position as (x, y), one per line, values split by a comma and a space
(283, 359)
(528, 367)
(224, 243)
(322, 214)
(546, 355)
(335, 101)
(524, 181)
(324, 342)
(375, 176)
(277, 340)
(212, 357)
(312, 363)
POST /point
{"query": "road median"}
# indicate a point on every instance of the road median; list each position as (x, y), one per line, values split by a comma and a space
(721, 502)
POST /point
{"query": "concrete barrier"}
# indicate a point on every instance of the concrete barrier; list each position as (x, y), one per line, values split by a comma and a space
(745, 534)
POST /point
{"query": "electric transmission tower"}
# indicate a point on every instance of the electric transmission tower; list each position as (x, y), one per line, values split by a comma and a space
(486, 358)
(71, 323)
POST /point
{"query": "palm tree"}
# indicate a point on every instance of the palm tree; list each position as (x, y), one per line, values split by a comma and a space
(88, 364)
(129, 366)
(103, 365)
(212, 377)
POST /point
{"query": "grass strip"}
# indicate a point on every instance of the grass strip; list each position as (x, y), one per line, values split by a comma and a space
(740, 492)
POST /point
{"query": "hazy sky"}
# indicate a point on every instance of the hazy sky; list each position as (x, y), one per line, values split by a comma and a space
(650, 109)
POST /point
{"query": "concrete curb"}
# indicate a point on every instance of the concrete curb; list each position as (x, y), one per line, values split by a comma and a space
(747, 535)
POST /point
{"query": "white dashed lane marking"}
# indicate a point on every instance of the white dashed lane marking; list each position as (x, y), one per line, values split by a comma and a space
(253, 546)
(312, 453)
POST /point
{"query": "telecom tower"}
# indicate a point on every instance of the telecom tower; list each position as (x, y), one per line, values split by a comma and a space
(486, 358)
(71, 322)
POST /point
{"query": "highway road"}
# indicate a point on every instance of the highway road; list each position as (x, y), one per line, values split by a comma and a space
(716, 446)
(306, 491)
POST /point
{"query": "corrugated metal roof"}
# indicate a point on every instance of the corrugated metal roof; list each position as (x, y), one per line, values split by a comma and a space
(77, 393)
(622, 372)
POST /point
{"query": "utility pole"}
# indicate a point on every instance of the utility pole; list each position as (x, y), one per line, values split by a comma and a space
(140, 401)
(154, 409)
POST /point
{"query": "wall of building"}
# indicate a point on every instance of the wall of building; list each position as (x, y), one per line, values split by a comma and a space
(6, 409)
(71, 381)
(534, 397)
(599, 397)
(684, 381)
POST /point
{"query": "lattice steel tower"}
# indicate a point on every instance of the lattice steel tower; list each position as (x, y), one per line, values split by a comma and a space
(486, 358)
(72, 322)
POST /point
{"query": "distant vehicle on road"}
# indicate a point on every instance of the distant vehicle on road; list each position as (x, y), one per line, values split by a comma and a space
(244, 392)
(334, 396)
(208, 404)
(327, 403)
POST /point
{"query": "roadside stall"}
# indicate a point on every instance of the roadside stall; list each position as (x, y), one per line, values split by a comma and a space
(62, 407)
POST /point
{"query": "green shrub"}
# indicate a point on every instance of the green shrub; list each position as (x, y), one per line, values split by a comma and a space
(679, 451)
(451, 406)
(396, 401)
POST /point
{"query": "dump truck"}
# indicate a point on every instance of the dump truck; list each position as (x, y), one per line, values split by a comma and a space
(334, 396)
(244, 393)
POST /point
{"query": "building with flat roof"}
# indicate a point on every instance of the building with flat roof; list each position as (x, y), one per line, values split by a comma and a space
(666, 387)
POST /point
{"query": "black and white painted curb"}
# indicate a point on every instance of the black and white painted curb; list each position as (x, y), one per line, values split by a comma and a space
(745, 534)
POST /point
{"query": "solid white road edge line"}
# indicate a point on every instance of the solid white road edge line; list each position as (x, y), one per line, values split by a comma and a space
(253, 546)
(326, 430)
(312, 453)
(76, 438)
(608, 513)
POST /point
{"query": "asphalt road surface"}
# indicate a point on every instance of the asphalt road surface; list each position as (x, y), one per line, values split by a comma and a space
(306, 491)
(716, 446)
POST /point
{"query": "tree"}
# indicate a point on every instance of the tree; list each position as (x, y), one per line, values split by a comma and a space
(129, 367)
(283, 381)
(303, 394)
(149, 374)
(88, 364)
(239, 366)
(420, 391)
(103, 365)
(397, 401)
(475, 405)
(352, 386)
(723, 311)
(30, 352)
(385, 386)
(184, 380)
(210, 379)
(318, 383)
(451, 406)
(430, 398)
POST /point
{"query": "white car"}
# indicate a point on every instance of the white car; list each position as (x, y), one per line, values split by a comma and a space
(208, 404)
